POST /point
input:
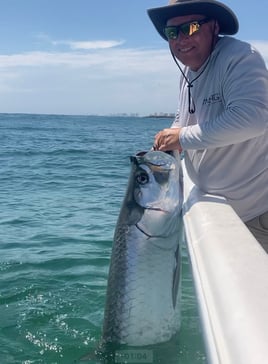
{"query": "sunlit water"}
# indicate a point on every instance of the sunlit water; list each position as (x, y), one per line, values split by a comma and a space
(62, 182)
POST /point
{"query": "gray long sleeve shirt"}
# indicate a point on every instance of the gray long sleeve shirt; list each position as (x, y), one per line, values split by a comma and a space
(226, 139)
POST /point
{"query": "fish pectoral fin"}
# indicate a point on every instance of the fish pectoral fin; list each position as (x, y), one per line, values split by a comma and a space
(176, 277)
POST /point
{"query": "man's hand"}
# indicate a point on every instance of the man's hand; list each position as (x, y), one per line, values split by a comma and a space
(168, 139)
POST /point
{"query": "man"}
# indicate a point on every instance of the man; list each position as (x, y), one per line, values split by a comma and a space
(222, 119)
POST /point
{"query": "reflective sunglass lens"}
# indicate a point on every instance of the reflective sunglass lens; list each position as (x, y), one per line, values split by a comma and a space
(194, 27)
(188, 29)
(171, 32)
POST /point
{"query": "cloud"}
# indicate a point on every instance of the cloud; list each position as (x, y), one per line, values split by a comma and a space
(90, 45)
(101, 81)
(101, 54)
(79, 45)
(95, 80)
(262, 47)
(116, 60)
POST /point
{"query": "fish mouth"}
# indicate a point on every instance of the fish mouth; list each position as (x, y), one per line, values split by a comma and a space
(140, 158)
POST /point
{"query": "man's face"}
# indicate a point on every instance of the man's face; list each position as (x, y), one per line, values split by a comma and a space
(193, 50)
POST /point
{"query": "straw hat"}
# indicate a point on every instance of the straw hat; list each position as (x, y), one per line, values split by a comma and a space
(226, 18)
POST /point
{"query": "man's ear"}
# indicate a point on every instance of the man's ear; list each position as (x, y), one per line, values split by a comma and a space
(216, 28)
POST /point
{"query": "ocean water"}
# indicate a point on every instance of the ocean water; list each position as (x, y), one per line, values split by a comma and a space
(62, 181)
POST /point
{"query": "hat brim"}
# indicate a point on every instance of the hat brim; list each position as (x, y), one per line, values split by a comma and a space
(227, 20)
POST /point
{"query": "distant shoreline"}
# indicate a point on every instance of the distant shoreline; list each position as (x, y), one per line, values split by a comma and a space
(133, 115)
(169, 116)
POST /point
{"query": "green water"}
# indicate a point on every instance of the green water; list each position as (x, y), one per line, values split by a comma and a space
(62, 182)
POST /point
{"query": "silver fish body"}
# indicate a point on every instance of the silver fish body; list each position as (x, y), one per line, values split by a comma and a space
(142, 305)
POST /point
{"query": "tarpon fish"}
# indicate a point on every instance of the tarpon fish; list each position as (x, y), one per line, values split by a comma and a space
(142, 301)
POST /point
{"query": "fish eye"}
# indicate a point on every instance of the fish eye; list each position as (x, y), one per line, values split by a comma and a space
(142, 178)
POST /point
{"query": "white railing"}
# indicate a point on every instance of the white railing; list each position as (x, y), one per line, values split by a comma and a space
(230, 272)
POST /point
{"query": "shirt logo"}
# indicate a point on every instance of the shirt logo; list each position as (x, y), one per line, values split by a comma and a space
(213, 99)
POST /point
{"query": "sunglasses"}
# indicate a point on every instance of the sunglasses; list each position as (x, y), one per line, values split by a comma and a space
(190, 28)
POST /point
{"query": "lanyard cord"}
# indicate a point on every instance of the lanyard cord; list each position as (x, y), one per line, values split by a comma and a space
(190, 83)
(191, 104)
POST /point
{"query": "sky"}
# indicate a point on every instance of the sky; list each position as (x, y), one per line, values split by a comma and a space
(83, 57)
